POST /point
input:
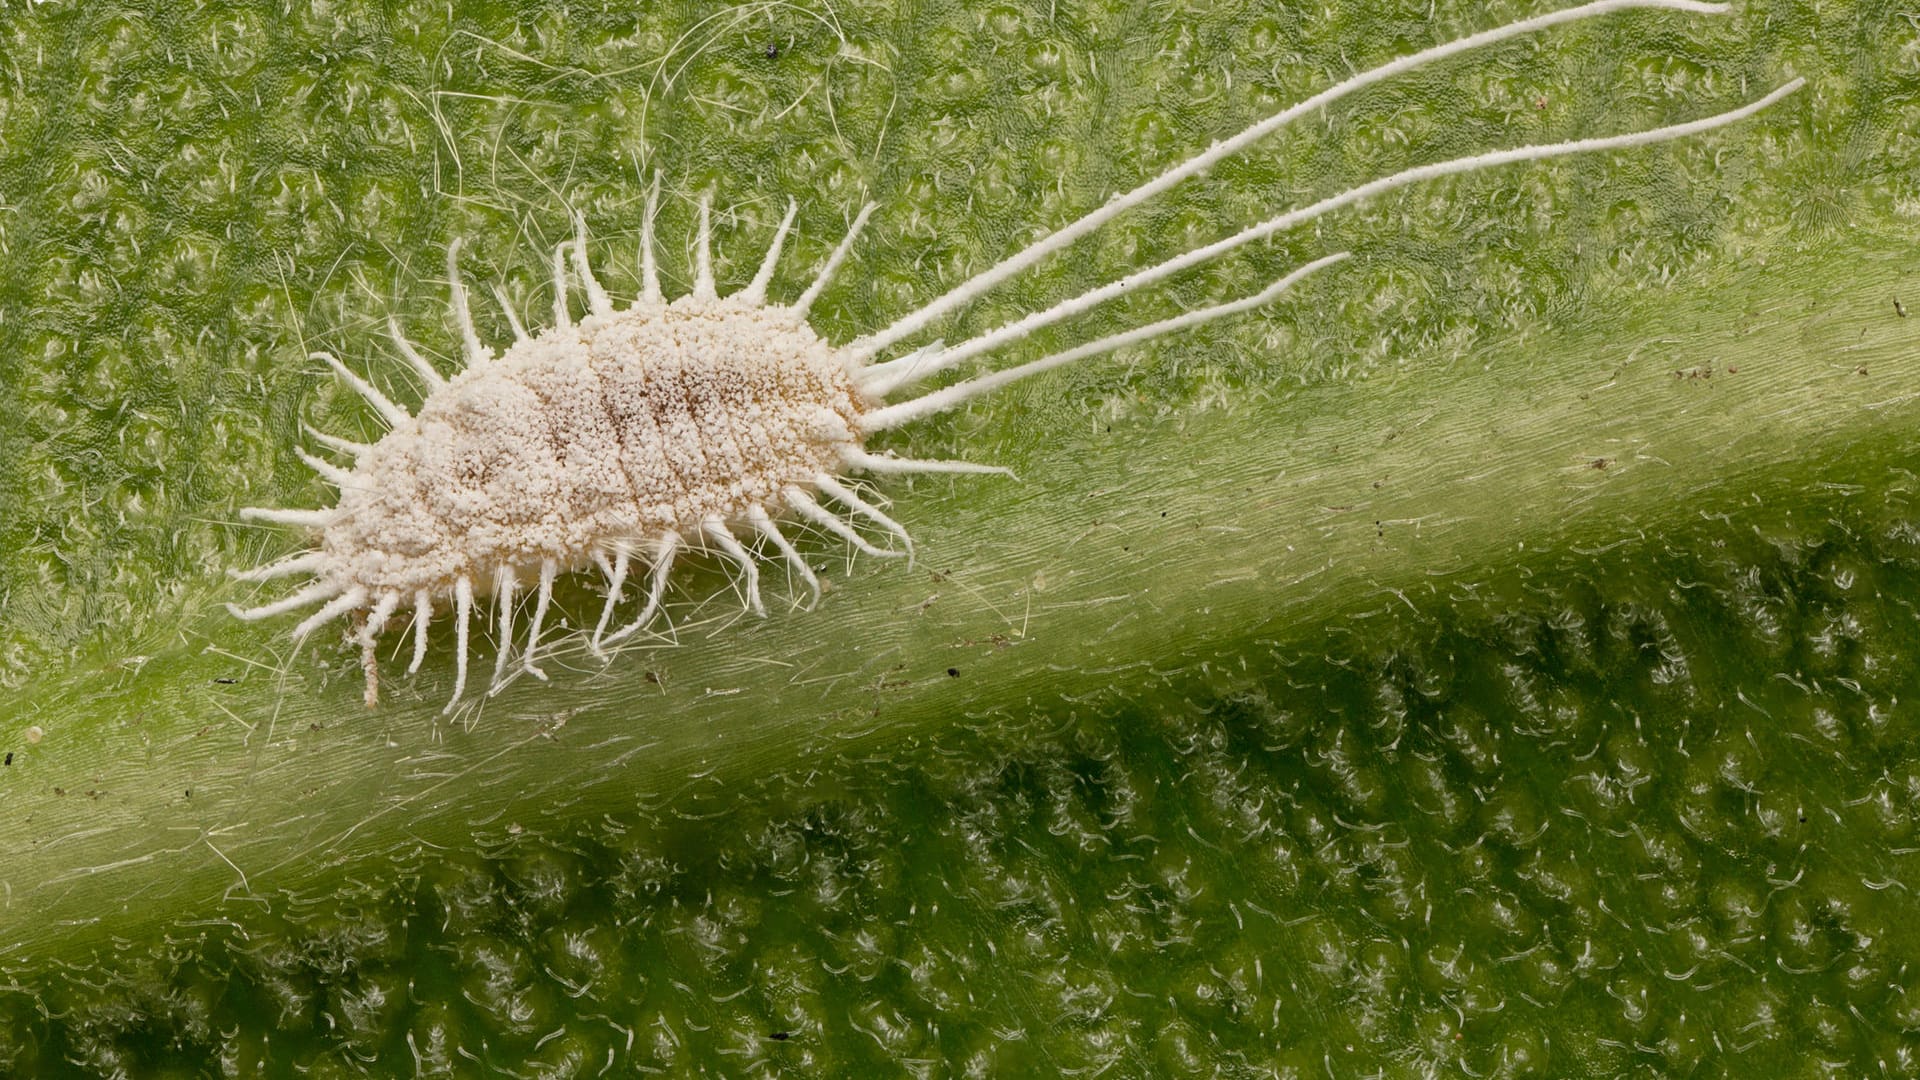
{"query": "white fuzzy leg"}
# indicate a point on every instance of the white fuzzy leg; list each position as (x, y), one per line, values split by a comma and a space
(764, 524)
(562, 318)
(369, 636)
(377, 619)
(476, 353)
(463, 611)
(649, 264)
(422, 615)
(312, 594)
(616, 579)
(703, 253)
(336, 443)
(890, 376)
(756, 291)
(716, 530)
(805, 303)
(418, 363)
(353, 598)
(856, 458)
(960, 294)
(548, 569)
(513, 320)
(285, 567)
(804, 505)
(662, 564)
(505, 583)
(312, 519)
(597, 301)
(846, 496)
(877, 379)
(333, 474)
(394, 415)
(298, 564)
(942, 400)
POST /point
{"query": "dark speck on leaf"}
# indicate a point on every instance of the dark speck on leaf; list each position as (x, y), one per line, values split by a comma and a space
(773, 52)
(226, 682)
(780, 1036)
(953, 671)
(10, 753)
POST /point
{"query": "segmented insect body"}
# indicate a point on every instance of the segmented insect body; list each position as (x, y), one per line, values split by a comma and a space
(642, 432)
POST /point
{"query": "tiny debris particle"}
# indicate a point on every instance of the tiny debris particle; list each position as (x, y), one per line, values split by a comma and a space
(773, 52)
(35, 734)
(953, 671)
(780, 1036)
(226, 681)
(10, 753)
(1898, 310)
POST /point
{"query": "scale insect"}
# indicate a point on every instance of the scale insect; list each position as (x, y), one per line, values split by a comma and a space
(641, 433)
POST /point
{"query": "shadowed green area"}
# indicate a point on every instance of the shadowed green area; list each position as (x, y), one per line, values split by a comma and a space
(1436, 666)
(1566, 824)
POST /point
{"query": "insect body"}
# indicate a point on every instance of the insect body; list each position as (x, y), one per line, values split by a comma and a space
(641, 432)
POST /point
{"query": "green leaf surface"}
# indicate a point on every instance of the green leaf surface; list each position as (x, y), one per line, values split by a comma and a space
(1663, 394)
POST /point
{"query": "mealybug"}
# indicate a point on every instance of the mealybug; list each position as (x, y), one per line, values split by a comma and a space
(642, 432)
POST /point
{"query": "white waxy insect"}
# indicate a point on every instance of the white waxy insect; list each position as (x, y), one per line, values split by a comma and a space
(638, 433)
